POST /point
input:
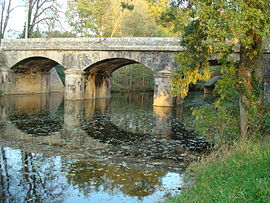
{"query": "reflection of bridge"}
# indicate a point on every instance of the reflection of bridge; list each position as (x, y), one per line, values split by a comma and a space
(90, 155)
(80, 133)
(88, 63)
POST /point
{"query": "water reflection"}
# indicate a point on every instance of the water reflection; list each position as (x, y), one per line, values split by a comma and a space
(122, 149)
(100, 176)
(29, 177)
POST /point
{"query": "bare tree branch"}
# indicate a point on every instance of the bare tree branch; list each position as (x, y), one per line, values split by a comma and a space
(41, 11)
(6, 9)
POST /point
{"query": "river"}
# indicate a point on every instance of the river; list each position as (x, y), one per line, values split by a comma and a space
(107, 150)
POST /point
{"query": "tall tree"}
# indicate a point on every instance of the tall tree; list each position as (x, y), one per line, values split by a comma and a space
(40, 11)
(120, 18)
(218, 27)
(6, 9)
(140, 22)
(90, 17)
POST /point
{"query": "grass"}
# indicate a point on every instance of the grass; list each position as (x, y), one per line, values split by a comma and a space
(238, 174)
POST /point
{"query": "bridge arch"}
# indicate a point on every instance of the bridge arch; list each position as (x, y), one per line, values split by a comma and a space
(156, 61)
(14, 57)
(107, 66)
(34, 64)
(32, 74)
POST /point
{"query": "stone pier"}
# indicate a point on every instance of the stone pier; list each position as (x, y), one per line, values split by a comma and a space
(13, 82)
(162, 94)
(102, 86)
(74, 84)
(90, 86)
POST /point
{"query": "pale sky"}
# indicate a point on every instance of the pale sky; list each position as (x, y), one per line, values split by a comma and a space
(18, 17)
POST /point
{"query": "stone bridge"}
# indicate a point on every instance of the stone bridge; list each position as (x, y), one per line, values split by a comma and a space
(25, 65)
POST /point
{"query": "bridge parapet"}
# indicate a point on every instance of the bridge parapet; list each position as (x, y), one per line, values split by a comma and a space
(168, 44)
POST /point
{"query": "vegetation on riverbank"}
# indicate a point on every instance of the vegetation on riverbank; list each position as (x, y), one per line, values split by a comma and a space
(240, 173)
(132, 78)
(238, 120)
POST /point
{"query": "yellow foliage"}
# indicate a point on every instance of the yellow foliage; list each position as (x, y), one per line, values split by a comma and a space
(181, 81)
(158, 7)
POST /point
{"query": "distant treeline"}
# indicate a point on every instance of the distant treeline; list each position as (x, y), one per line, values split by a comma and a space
(135, 77)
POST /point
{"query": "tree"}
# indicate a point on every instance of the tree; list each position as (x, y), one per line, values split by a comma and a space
(121, 18)
(5, 10)
(141, 23)
(59, 34)
(89, 17)
(40, 11)
(218, 27)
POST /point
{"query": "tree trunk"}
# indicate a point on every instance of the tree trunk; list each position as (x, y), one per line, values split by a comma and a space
(243, 118)
(2, 21)
(250, 81)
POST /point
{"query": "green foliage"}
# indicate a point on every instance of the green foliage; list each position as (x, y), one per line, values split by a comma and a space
(49, 34)
(58, 34)
(216, 27)
(133, 78)
(240, 174)
(89, 17)
(259, 122)
(140, 23)
(126, 5)
(225, 88)
(219, 121)
(120, 19)
(60, 71)
(36, 34)
(193, 62)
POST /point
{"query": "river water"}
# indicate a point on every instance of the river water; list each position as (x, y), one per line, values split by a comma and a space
(108, 150)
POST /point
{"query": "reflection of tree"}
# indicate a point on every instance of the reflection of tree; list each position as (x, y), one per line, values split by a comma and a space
(41, 181)
(29, 177)
(4, 178)
(95, 176)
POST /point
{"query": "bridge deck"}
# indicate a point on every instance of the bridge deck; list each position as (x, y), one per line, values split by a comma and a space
(95, 44)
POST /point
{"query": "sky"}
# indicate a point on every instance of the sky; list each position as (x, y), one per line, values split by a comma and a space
(18, 17)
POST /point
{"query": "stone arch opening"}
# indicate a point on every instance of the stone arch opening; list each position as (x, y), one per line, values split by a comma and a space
(108, 66)
(99, 76)
(34, 64)
(37, 75)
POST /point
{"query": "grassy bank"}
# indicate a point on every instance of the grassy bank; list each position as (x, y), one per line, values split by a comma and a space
(238, 174)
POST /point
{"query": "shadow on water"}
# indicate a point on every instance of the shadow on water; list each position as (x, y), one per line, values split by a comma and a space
(122, 149)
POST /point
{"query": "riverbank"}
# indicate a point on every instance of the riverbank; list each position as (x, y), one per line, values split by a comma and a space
(238, 174)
